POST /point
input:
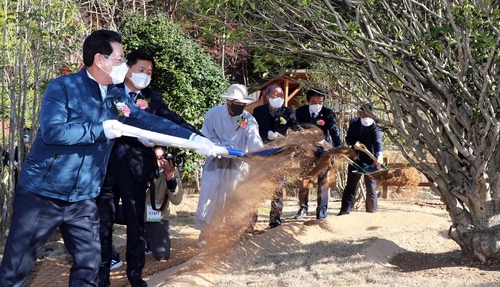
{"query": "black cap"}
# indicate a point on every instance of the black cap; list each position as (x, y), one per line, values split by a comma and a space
(313, 91)
(366, 108)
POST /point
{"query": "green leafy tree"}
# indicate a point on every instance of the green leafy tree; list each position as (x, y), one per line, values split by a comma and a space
(208, 23)
(190, 80)
(432, 68)
(37, 39)
(215, 24)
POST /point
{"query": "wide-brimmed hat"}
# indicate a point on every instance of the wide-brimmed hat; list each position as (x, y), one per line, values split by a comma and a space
(239, 93)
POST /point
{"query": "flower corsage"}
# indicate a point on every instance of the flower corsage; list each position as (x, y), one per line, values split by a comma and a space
(282, 121)
(320, 122)
(122, 109)
(142, 104)
(242, 123)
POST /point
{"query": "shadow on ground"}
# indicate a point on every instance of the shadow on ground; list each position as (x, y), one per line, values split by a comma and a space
(416, 261)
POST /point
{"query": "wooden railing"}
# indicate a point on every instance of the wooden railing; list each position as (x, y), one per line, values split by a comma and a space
(193, 186)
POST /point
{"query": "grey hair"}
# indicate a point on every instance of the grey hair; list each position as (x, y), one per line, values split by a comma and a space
(272, 87)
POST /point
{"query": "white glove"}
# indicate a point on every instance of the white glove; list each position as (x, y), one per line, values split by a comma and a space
(109, 129)
(146, 142)
(206, 147)
(273, 135)
(357, 146)
(324, 144)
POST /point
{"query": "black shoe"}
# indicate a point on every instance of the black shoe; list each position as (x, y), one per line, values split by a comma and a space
(321, 213)
(275, 223)
(301, 213)
(138, 283)
(342, 213)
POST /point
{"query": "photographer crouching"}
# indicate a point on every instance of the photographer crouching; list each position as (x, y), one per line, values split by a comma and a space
(162, 190)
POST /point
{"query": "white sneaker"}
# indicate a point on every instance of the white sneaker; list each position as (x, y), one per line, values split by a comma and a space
(116, 263)
(147, 250)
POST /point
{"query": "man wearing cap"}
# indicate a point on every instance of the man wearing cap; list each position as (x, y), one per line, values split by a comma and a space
(274, 120)
(315, 114)
(229, 126)
(363, 131)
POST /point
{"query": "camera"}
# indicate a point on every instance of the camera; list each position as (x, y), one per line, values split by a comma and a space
(176, 160)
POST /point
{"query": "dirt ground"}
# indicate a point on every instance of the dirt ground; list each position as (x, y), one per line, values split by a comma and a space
(404, 244)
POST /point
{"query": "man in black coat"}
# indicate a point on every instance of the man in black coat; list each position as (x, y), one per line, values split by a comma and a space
(131, 166)
(274, 120)
(363, 130)
(314, 113)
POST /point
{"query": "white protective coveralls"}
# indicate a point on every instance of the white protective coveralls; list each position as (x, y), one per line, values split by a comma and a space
(221, 175)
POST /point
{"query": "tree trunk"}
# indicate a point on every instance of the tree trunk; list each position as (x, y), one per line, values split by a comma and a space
(431, 69)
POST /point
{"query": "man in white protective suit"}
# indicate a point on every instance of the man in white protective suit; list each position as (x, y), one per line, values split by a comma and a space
(232, 127)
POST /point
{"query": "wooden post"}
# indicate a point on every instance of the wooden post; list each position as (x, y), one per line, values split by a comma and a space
(286, 91)
(385, 185)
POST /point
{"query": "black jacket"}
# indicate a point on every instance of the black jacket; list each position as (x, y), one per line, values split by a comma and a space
(325, 121)
(284, 119)
(370, 136)
(142, 159)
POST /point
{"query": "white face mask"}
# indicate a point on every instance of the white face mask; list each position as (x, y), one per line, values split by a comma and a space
(315, 108)
(367, 121)
(276, 102)
(140, 80)
(118, 73)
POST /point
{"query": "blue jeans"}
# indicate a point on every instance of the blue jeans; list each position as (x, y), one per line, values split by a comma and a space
(34, 220)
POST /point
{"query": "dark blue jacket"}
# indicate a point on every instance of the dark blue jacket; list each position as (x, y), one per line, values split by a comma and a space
(142, 159)
(370, 136)
(68, 158)
(325, 121)
(284, 119)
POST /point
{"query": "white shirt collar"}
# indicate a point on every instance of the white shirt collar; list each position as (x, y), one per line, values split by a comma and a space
(128, 90)
(104, 89)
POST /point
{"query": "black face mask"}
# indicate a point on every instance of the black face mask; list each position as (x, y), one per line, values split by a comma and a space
(237, 109)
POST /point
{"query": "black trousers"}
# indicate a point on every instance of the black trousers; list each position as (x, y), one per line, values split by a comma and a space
(371, 202)
(276, 206)
(322, 195)
(158, 238)
(120, 183)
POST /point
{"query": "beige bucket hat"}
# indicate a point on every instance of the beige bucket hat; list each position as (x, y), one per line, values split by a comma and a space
(239, 93)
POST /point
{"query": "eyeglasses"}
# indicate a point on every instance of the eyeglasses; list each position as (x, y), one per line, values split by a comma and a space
(277, 95)
(121, 61)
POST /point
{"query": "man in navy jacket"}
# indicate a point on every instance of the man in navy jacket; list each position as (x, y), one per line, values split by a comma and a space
(317, 115)
(131, 166)
(363, 130)
(274, 120)
(66, 165)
